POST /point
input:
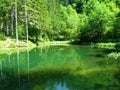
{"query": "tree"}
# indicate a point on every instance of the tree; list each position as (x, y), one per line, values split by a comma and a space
(5, 7)
(26, 22)
(12, 17)
(60, 19)
(116, 30)
(39, 20)
(16, 21)
(100, 20)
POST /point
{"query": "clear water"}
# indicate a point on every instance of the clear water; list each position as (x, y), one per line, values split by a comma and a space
(59, 68)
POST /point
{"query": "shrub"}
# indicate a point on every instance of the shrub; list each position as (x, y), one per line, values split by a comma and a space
(2, 37)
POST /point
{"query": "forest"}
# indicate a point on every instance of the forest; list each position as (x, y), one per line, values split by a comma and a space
(60, 20)
(59, 44)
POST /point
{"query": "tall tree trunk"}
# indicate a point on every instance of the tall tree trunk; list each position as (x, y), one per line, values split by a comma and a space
(12, 18)
(7, 32)
(26, 22)
(1, 26)
(16, 21)
(4, 28)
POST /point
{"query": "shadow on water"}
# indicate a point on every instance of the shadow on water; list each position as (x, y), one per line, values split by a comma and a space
(58, 68)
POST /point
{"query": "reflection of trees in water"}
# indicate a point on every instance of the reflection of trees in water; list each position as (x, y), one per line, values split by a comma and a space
(1, 68)
(18, 66)
(28, 61)
(51, 67)
(54, 55)
(10, 69)
(52, 78)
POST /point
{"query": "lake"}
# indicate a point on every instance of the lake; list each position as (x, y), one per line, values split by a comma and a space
(59, 68)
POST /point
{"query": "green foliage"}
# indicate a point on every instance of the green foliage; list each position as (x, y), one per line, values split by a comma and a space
(21, 31)
(100, 20)
(66, 24)
(2, 37)
(49, 20)
(116, 30)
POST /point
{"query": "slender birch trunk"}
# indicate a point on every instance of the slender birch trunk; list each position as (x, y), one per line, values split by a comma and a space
(7, 30)
(26, 22)
(12, 18)
(16, 21)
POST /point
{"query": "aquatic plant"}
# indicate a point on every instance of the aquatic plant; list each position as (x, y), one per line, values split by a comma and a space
(114, 55)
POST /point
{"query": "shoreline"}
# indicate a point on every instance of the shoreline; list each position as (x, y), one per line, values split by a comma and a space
(17, 47)
(11, 44)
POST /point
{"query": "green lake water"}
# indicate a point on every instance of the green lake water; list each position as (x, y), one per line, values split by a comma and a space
(59, 68)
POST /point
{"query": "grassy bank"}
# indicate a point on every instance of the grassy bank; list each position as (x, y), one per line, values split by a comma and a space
(55, 43)
(9, 46)
(11, 43)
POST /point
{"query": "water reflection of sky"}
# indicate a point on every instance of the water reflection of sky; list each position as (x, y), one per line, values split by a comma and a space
(58, 86)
